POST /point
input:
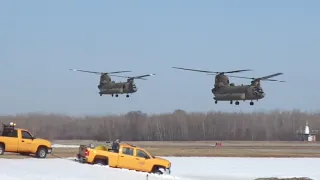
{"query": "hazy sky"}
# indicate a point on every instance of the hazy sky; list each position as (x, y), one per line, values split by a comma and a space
(41, 40)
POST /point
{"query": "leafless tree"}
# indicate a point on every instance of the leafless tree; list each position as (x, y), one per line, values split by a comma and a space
(176, 126)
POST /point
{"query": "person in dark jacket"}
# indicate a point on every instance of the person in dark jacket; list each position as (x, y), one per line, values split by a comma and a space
(116, 146)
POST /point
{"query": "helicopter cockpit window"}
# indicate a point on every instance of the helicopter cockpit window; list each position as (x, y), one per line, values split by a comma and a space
(259, 90)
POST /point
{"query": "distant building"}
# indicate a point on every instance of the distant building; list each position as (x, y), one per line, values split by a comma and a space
(306, 135)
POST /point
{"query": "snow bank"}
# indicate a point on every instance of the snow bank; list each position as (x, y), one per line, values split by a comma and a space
(63, 169)
(183, 168)
(64, 146)
(221, 168)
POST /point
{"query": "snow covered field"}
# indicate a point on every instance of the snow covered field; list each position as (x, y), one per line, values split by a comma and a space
(183, 168)
(64, 146)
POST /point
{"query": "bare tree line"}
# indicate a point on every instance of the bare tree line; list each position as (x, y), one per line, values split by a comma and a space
(176, 126)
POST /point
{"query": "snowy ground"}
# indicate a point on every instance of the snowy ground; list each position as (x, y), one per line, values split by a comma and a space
(184, 168)
(64, 146)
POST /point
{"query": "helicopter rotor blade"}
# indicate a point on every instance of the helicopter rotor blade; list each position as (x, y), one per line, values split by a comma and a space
(212, 72)
(236, 71)
(142, 76)
(79, 70)
(269, 76)
(114, 72)
(99, 73)
(135, 77)
(196, 70)
(264, 78)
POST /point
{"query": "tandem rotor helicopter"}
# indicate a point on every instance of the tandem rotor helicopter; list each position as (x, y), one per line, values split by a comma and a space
(107, 86)
(225, 91)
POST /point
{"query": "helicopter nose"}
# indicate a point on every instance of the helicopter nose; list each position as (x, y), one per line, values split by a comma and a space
(262, 95)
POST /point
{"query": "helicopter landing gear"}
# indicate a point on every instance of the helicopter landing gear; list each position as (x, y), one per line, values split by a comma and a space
(251, 103)
(231, 102)
(117, 95)
(127, 95)
(237, 103)
(216, 102)
(100, 94)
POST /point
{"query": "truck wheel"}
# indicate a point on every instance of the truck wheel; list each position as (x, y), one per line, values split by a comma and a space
(42, 152)
(158, 172)
(1, 149)
(100, 162)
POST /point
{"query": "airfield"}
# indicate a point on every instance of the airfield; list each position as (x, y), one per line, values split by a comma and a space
(69, 148)
(200, 160)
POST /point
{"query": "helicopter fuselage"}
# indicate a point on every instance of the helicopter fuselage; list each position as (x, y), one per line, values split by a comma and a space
(239, 92)
(115, 88)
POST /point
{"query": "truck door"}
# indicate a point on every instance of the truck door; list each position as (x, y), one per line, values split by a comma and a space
(142, 159)
(127, 159)
(25, 143)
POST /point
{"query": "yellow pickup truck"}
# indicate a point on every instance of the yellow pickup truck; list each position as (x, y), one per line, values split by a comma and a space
(21, 141)
(126, 156)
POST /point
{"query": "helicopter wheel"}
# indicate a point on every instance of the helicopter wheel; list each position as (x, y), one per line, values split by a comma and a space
(100, 94)
(117, 95)
(237, 103)
(216, 102)
(127, 95)
(231, 102)
(251, 103)
(112, 95)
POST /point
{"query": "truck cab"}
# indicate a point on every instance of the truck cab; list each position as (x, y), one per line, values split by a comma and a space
(127, 156)
(18, 140)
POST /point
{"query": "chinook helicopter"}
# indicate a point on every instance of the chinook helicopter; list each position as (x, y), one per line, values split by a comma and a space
(251, 92)
(225, 91)
(107, 86)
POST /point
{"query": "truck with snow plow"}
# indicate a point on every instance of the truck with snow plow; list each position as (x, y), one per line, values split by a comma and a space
(17, 140)
(126, 156)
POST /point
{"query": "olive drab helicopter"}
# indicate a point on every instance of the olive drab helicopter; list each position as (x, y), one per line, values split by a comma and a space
(107, 86)
(223, 90)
